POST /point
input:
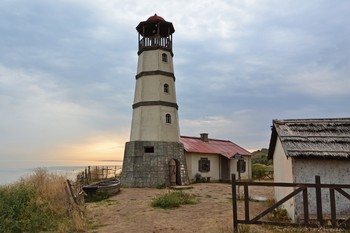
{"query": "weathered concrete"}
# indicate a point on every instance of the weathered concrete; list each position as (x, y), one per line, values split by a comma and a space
(141, 169)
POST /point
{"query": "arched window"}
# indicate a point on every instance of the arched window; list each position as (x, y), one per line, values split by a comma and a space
(164, 57)
(168, 118)
(166, 88)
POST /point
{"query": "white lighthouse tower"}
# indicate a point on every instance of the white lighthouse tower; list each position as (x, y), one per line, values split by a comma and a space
(154, 156)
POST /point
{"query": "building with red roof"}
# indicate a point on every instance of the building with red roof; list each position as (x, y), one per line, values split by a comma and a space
(215, 159)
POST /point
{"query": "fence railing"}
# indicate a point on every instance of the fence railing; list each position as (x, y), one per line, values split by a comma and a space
(74, 189)
(97, 173)
(298, 188)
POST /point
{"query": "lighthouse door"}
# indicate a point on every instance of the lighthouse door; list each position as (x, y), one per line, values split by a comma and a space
(173, 172)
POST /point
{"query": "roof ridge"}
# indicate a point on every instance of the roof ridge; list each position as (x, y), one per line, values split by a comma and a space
(311, 119)
(213, 139)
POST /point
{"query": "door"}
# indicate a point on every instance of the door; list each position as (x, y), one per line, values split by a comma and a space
(224, 168)
(172, 172)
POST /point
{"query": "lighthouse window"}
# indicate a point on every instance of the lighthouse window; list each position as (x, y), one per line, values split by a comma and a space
(149, 149)
(166, 88)
(168, 118)
(164, 57)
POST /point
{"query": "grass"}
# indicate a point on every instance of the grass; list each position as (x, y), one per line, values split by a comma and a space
(173, 199)
(35, 204)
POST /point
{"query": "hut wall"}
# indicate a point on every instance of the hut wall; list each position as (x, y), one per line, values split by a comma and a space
(331, 172)
(283, 173)
(248, 172)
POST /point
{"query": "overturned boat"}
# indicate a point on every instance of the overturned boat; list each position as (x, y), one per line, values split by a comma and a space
(109, 187)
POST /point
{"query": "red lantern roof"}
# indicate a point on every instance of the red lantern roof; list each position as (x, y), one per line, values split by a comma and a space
(155, 17)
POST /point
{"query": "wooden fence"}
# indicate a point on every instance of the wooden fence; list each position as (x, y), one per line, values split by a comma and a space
(97, 173)
(74, 189)
(299, 187)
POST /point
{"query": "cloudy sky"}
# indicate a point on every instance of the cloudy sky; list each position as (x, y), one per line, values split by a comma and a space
(67, 70)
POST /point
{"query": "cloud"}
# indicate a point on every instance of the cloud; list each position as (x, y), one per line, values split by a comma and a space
(318, 82)
(67, 69)
(35, 109)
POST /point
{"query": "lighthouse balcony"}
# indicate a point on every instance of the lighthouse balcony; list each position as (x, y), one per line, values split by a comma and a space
(155, 42)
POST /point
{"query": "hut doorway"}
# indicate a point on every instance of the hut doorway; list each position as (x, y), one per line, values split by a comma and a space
(174, 172)
(224, 168)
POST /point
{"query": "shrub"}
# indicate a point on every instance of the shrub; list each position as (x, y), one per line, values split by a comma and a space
(258, 170)
(35, 204)
(281, 215)
(173, 199)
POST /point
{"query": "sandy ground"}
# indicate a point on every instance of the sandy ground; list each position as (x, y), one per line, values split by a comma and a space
(131, 211)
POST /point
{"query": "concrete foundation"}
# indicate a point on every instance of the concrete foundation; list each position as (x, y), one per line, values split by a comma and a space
(146, 164)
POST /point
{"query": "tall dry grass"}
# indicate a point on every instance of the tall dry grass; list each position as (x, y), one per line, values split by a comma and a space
(35, 204)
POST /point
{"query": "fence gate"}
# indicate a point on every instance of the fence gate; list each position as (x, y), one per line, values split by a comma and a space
(298, 188)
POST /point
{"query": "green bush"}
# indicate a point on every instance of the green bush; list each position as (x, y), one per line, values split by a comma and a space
(13, 203)
(261, 156)
(173, 199)
(20, 210)
(258, 170)
(35, 204)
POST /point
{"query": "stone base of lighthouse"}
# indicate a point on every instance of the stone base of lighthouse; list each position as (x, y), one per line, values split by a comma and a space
(154, 163)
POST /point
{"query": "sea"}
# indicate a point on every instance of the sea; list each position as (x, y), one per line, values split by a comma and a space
(13, 170)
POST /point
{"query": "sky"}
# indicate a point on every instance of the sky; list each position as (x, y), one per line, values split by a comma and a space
(67, 71)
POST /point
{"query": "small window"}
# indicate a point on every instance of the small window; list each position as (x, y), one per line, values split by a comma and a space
(149, 149)
(166, 88)
(164, 57)
(168, 118)
(204, 165)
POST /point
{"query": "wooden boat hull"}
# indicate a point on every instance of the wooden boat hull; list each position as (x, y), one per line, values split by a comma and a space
(109, 187)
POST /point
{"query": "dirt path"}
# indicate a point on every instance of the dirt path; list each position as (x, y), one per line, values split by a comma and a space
(130, 211)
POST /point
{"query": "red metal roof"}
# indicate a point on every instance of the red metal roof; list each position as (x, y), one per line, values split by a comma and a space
(155, 17)
(212, 146)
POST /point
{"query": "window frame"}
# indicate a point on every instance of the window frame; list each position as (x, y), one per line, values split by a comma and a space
(148, 149)
(168, 118)
(166, 88)
(204, 165)
(164, 57)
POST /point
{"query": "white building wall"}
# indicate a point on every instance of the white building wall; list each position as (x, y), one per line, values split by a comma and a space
(148, 122)
(151, 87)
(152, 60)
(330, 172)
(247, 175)
(283, 172)
(192, 166)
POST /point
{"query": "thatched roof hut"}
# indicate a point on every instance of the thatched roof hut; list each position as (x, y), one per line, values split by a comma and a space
(312, 138)
(304, 148)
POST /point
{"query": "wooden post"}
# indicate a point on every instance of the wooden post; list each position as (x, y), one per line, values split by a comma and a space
(246, 202)
(70, 208)
(83, 179)
(89, 174)
(319, 200)
(75, 198)
(333, 207)
(71, 192)
(234, 204)
(86, 176)
(306, 207)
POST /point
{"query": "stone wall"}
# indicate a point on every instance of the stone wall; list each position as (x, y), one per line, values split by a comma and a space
(150, 169)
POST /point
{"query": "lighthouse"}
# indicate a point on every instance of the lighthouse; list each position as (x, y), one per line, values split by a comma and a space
(154, 156)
